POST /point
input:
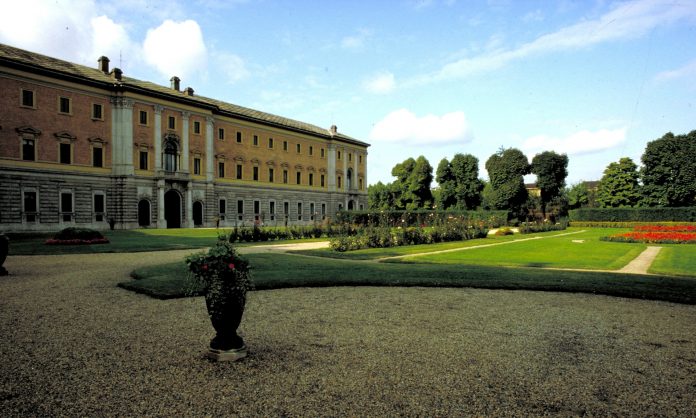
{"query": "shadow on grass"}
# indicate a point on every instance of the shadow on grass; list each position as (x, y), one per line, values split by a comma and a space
(278, 271)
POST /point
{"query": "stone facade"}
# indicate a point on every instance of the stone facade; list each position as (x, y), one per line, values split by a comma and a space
(84, 146)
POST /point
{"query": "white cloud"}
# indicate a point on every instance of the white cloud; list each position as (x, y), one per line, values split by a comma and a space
(112, 40)
(405, 127)
(626, 21)
(686, 71)
(176, 48)
(583, 142)
(380, 83)
(233, 67)
(535, 16)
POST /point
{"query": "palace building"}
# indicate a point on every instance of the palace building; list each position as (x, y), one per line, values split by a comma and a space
(91, 147)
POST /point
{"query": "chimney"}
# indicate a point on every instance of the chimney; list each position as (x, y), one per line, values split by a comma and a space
(188, 91)
(103, 64)
(116, 73)
(333, 130)
(175, 82)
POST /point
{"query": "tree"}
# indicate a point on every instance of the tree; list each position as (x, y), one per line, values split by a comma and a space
(506, 170)
(669, 171)
(551, 170)
(619, 185)
(468, 186)
(578, 196)
(380, 196)
(446, 197)
(411, 188)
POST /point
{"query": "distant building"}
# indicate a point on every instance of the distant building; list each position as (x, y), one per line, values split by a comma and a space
(81, 146)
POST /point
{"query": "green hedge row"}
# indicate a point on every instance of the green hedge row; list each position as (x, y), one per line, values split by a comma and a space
(590, 224)
(402, 218)
(633, 215)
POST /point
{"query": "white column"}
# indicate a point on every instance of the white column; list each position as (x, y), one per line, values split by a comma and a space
(185, 142)
(209, 149)
(356, 177)
(189, 206)
(344, 184)
(331, 169)
(161, 223)
(122, 136)
(157, 137)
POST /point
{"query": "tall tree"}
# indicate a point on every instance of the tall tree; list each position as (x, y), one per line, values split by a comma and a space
(412, 185)
(619, 185)
(446, 197)
(380, 196)
(468, 187)
(578, 196)
(506, 171)
(551, 170)
(669, 171)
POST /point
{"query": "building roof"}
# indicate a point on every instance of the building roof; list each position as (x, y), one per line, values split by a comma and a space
(42, 64)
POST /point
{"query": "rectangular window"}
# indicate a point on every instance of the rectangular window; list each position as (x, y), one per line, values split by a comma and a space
(257, 207)
(285, 176)
(256, 173)
(323, 211)
(271, 209)
(350, 156)
(256, 140)
(339, 182)
(66, 206)
(221, 169)
(239, 171)
(285, 145)
(270, 175)
(311, 150)
(30, 206)
(28, 149)
(311, 211)
(221, 134)
(28, 98)
(239, 137)
(172, 122)
(143, 160)
(240, 209)
(64, 105)
(321, 179)
(299, 211)
(321, 152)
(65, 153)
(196, 166)
(359, 159)
(99, 207)
(299, 148)
(286, 208)
(97, 111)
(143, 117)
(311, 179)
(339, 155)
(222, 206)
(299, 177)
(360, 184)
(196, 127)
(97, 157)
(270, 142)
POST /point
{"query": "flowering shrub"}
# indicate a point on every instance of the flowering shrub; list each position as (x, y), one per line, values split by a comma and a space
(533, 227)
(77, 236)
(220, 267)
(657, 234)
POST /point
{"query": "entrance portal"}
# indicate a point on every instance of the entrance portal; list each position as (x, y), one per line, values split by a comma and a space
(197, 213)
(144, 212)
(172, 209)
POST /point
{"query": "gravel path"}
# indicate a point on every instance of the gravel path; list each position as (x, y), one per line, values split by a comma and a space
(642, 263)
(74, 344)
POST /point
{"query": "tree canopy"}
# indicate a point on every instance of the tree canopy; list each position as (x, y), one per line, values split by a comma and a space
(551, 170)
(619, 186)
(506, 171)
(460, 186)
(669, 171)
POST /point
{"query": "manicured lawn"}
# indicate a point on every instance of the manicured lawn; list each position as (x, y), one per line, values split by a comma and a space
(273, 271)
(583, 250)
(678, 260)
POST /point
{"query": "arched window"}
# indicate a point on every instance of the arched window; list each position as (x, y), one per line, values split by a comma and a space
(349, 179)
(171, 155)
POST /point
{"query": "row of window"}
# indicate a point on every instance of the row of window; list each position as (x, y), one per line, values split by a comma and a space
(259, 215)
(64, 104)
(66, 205)
(65, 152)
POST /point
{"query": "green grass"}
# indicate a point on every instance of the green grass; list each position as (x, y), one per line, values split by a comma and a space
(122, 241)
(678, 260)
(274, 271)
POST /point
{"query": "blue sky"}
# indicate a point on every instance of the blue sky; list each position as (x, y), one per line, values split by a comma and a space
(594, 79)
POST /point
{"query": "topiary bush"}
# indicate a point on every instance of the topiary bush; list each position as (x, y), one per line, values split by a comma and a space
(77, 236)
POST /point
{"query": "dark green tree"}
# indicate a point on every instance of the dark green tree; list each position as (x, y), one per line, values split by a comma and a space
(506, 171)
(551, 170)
(669, 171)
(619, 185)
(412, 185)
(446, 197)
(380, 196)
(468, 186)
(578, 195)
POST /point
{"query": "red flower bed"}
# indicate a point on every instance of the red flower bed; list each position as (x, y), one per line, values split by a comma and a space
(76, 241)
(658, 234)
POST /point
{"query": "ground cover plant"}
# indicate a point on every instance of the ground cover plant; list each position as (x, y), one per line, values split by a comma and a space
(657, 234)
(275, 271)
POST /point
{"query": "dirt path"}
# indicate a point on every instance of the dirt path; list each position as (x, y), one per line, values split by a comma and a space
(642, 263)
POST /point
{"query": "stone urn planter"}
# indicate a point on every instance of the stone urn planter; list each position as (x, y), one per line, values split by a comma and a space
(224, 278)
(4, 249)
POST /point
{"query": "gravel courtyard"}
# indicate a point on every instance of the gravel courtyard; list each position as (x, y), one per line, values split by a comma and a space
(74, 344)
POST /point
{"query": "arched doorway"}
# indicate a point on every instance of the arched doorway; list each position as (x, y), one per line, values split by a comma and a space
(172, 209)
(197, 213)
(351, 205)
(144, 212)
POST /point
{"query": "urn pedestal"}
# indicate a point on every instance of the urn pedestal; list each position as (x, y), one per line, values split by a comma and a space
(4, 249)
(225, 309)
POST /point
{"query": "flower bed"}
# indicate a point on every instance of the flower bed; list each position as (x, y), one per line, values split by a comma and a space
(76, 241)
(77, 236)
(657, 234)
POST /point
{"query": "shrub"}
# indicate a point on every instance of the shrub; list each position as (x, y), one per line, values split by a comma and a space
(530, 228)
(77, 236)
(503, 231)
(420, 218)
(687, 214)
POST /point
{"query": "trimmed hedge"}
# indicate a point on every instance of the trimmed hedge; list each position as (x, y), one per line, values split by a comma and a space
(532, 227)
(403, 218)
(589, 224)
(260, 234)
(687, 214)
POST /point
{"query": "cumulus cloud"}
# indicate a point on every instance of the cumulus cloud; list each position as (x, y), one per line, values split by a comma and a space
(583, 142)
(112, 40)
(176, 48)
(403, 126)
(628, 20)
(380, 83)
